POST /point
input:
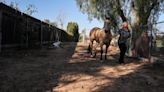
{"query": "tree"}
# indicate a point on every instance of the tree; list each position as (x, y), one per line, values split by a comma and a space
(47, 21)
(30, 9)
(60, 20)
(139, 13)
(51, 23)
(3, 1)
(73, 29)
(54, 24)
(117, 9)
(14, 5)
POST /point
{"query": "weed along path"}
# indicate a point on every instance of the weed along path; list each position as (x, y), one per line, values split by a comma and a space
(70, 69)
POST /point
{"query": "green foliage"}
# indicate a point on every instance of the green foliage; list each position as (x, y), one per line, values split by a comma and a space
(160, 41)
(99, 9)
(73, 30)
(123, 10)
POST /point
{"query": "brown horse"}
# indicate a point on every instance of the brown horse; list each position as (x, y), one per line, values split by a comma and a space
(102, 37)
(142, 50)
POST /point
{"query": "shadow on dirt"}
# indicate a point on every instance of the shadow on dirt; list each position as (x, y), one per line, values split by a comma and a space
(148, 78)
(43, 70)
(33, 70)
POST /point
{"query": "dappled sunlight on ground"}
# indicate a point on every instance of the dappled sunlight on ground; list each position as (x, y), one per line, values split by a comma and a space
(90, 74)
(71, 69)
(89, 83)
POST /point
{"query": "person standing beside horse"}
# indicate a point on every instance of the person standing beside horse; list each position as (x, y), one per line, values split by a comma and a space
(124, 33)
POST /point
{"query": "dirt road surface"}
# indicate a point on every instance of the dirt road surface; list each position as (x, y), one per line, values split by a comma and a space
(71, 69)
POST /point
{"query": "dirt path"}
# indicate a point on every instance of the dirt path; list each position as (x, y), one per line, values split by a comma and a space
(70, 69)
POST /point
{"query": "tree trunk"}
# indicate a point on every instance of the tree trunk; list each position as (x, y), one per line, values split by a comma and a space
(120, 11)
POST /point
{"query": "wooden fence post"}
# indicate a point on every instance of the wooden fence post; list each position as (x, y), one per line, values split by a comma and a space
(0, 31)
(27, 33)
(41, 33)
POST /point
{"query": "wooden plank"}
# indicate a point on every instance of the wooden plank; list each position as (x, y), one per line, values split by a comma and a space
(0, 31)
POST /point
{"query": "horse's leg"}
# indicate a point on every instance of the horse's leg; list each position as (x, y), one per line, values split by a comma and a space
(94, 48)
(90, 46)
(106, 51)
(101, 46)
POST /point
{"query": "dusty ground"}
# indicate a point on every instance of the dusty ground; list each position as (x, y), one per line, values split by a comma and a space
(70, 69)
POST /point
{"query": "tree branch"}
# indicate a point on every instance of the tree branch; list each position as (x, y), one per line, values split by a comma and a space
(120, 11)
(151, 8)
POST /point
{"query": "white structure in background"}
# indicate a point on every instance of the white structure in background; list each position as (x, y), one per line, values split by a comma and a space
(58, 42)
(83, 35)
(114, 41)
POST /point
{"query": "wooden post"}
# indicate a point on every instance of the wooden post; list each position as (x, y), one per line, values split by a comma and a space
(0, 31)
(41, 37)
(27, 32)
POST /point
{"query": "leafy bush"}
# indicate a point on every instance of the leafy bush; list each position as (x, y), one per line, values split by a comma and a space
(73, 30)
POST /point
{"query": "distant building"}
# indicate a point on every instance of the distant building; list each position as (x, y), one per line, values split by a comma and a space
(160, 34)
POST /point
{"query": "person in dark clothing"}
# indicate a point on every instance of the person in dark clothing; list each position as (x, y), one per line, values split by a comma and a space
(124, 33)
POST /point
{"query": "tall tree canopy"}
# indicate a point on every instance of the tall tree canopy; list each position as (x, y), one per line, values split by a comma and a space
(136, 11)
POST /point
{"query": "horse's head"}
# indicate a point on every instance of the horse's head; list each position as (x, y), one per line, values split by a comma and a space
(107, 24)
